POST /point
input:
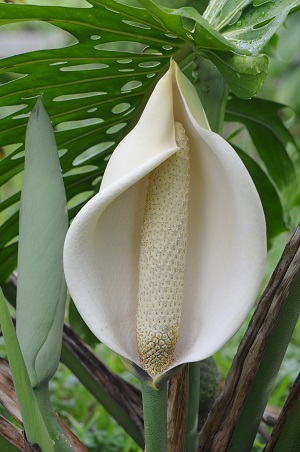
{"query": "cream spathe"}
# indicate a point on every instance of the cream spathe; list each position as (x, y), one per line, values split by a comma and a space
(226, 240)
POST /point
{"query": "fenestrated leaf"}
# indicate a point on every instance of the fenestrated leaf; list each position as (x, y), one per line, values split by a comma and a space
(244, 75)
(92, 91)
(188, 24)
(95, 89)
(274, 143)
(247, 24)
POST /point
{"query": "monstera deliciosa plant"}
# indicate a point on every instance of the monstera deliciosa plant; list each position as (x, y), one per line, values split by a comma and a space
(146, 131)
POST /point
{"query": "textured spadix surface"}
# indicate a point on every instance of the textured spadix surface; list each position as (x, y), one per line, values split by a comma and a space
(162, 258)
(226, 242)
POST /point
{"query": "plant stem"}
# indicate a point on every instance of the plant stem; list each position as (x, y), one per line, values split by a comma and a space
(57, 434)
(191, 433)
(177, 409)
(155, 417)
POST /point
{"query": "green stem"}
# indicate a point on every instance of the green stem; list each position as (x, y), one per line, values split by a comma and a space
(56, 432)
(275, 348)
(35, 428)
(191, 432)
(155, 417)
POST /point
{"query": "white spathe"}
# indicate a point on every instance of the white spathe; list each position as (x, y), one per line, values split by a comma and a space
(226, 247)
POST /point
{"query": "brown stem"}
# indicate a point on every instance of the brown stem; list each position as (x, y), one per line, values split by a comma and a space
(177, 404)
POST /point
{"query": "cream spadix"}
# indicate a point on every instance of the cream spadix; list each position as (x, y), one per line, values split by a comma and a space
(162, 259)
(224, 243)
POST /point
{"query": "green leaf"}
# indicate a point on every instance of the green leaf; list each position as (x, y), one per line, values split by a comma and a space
(276, 147)
(189, 25)
(243, 74)
(268, 195)
(34, 425)
(80, 327)
(287, 296)
(95, 89)
(289, 436)
(248, 25)
(92, 90)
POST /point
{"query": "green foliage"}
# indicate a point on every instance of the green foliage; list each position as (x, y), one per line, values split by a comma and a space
(275, 167)
(34, 425)
(83, 414)
(94, 89)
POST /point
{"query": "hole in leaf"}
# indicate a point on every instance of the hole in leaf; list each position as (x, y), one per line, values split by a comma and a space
(123, 46)
(78, 96)
(131, 85)
(84, 67)
(12, 184)
(125, 61)
(57, 63)
(81, 170)
(170, 35)
(79, 198)
(136, 24)
(68, 4)
(10, 110)
(18, 155)
(235, 18)
(31, 96)
(10, 77)
(10, 150)
(116, 128)
(32, 37)
(260, 2)
(107, 157)
(62, 152)
(120, 108)
(152, 52)
(95, 37)
(22, 116)
(129, 111)
(97, 180)
(147, 64)
(91, 152)
(69, 125)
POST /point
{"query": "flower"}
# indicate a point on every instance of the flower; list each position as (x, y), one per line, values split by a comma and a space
(42, 289)
(221, 241)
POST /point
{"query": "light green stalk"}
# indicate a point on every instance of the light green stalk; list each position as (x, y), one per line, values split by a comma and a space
(155, 417)
(35, 428)
(41, 289)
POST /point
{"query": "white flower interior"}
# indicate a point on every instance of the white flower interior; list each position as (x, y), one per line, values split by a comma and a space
(162, 259)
